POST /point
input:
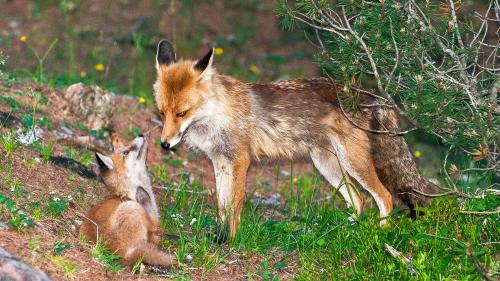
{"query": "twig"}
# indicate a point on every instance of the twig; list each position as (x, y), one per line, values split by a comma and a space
(397, 255)
(425, 23)
(397, 55)
(497, 211)
(182, 190)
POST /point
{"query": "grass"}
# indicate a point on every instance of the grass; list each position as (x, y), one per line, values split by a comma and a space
(46, 151)
(104, 256)
(8, 142)
(317, 241)
(65, 265)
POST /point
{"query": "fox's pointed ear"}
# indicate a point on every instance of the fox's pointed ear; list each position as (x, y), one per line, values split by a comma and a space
(143, 198)
(205, 64)
(105, 162)
(165, 54)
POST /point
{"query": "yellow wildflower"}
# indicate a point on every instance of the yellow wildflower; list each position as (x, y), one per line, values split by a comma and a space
(83, 74)
(142, 100)
(253, 68)
(23, 38)
(99, 67)
(219, 51)
(295, 180)
(417, 154)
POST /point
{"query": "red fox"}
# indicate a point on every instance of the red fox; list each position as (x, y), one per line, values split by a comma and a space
(127, 221)
(234, 122)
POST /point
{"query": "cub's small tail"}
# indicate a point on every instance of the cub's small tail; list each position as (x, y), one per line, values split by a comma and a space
(394, 163)
(151, 255)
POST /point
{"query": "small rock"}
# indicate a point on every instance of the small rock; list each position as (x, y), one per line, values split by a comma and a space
(91, 105)
(13, 269)
(3, 225)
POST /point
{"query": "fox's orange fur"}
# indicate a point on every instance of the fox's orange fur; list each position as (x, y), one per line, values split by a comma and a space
(126, 222)
(234, 122)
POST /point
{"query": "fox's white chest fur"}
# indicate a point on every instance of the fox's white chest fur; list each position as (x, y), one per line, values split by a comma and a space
(208, 128)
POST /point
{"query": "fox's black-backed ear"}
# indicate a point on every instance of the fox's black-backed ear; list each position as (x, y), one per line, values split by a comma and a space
(105, 162)
(206, 61)
(165, 54)
(205, 64)
(143, 198)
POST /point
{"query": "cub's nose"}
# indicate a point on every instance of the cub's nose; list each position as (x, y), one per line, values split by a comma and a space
(165, 145)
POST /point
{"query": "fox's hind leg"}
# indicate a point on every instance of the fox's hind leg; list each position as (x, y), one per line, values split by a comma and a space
(354, 155)
(327, 164)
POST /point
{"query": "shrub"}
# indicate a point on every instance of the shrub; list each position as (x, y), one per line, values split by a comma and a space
(418, 57)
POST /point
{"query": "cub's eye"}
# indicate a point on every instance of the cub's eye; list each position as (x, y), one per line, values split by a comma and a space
(182, 114)
(125, 153)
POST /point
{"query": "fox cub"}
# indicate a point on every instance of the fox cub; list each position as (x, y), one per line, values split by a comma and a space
(127, 221)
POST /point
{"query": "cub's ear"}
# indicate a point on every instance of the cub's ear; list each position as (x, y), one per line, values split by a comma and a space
(143, 198)
(105, 162)
(165, 54)
(205, 64)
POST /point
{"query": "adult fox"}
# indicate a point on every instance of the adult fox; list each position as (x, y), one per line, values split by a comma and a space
(234, 122)
(127, 221)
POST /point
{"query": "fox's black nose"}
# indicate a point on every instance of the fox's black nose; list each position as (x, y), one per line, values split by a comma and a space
(165, 145)
(141, 135)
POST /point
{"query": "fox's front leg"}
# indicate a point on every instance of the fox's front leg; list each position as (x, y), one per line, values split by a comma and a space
(230, 180)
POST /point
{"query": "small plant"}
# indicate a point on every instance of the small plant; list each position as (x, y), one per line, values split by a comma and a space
(9, 142)
(137, 266)
(45, 122)
(46, 151)
(56, 205)
(29, 161)
(67, 267)
(18, 219)
(160, 174)
(105, 257)
(41, 59)
(100, 134)
(86, 158)
(3, 61)
(176, 163)
(71, 153)
(60, 246)
(266, 272)
(34, 244)
(132, 132)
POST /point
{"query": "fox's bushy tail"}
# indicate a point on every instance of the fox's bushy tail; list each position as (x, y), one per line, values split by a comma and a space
(394, 163)
(151, 255)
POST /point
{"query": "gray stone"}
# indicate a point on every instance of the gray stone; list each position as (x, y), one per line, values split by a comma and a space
(14, 269)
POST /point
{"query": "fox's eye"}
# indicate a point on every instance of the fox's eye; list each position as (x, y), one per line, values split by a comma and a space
(161, 114)
(182, 114)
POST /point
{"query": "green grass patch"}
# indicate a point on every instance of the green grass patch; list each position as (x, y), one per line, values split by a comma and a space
(324, 244)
